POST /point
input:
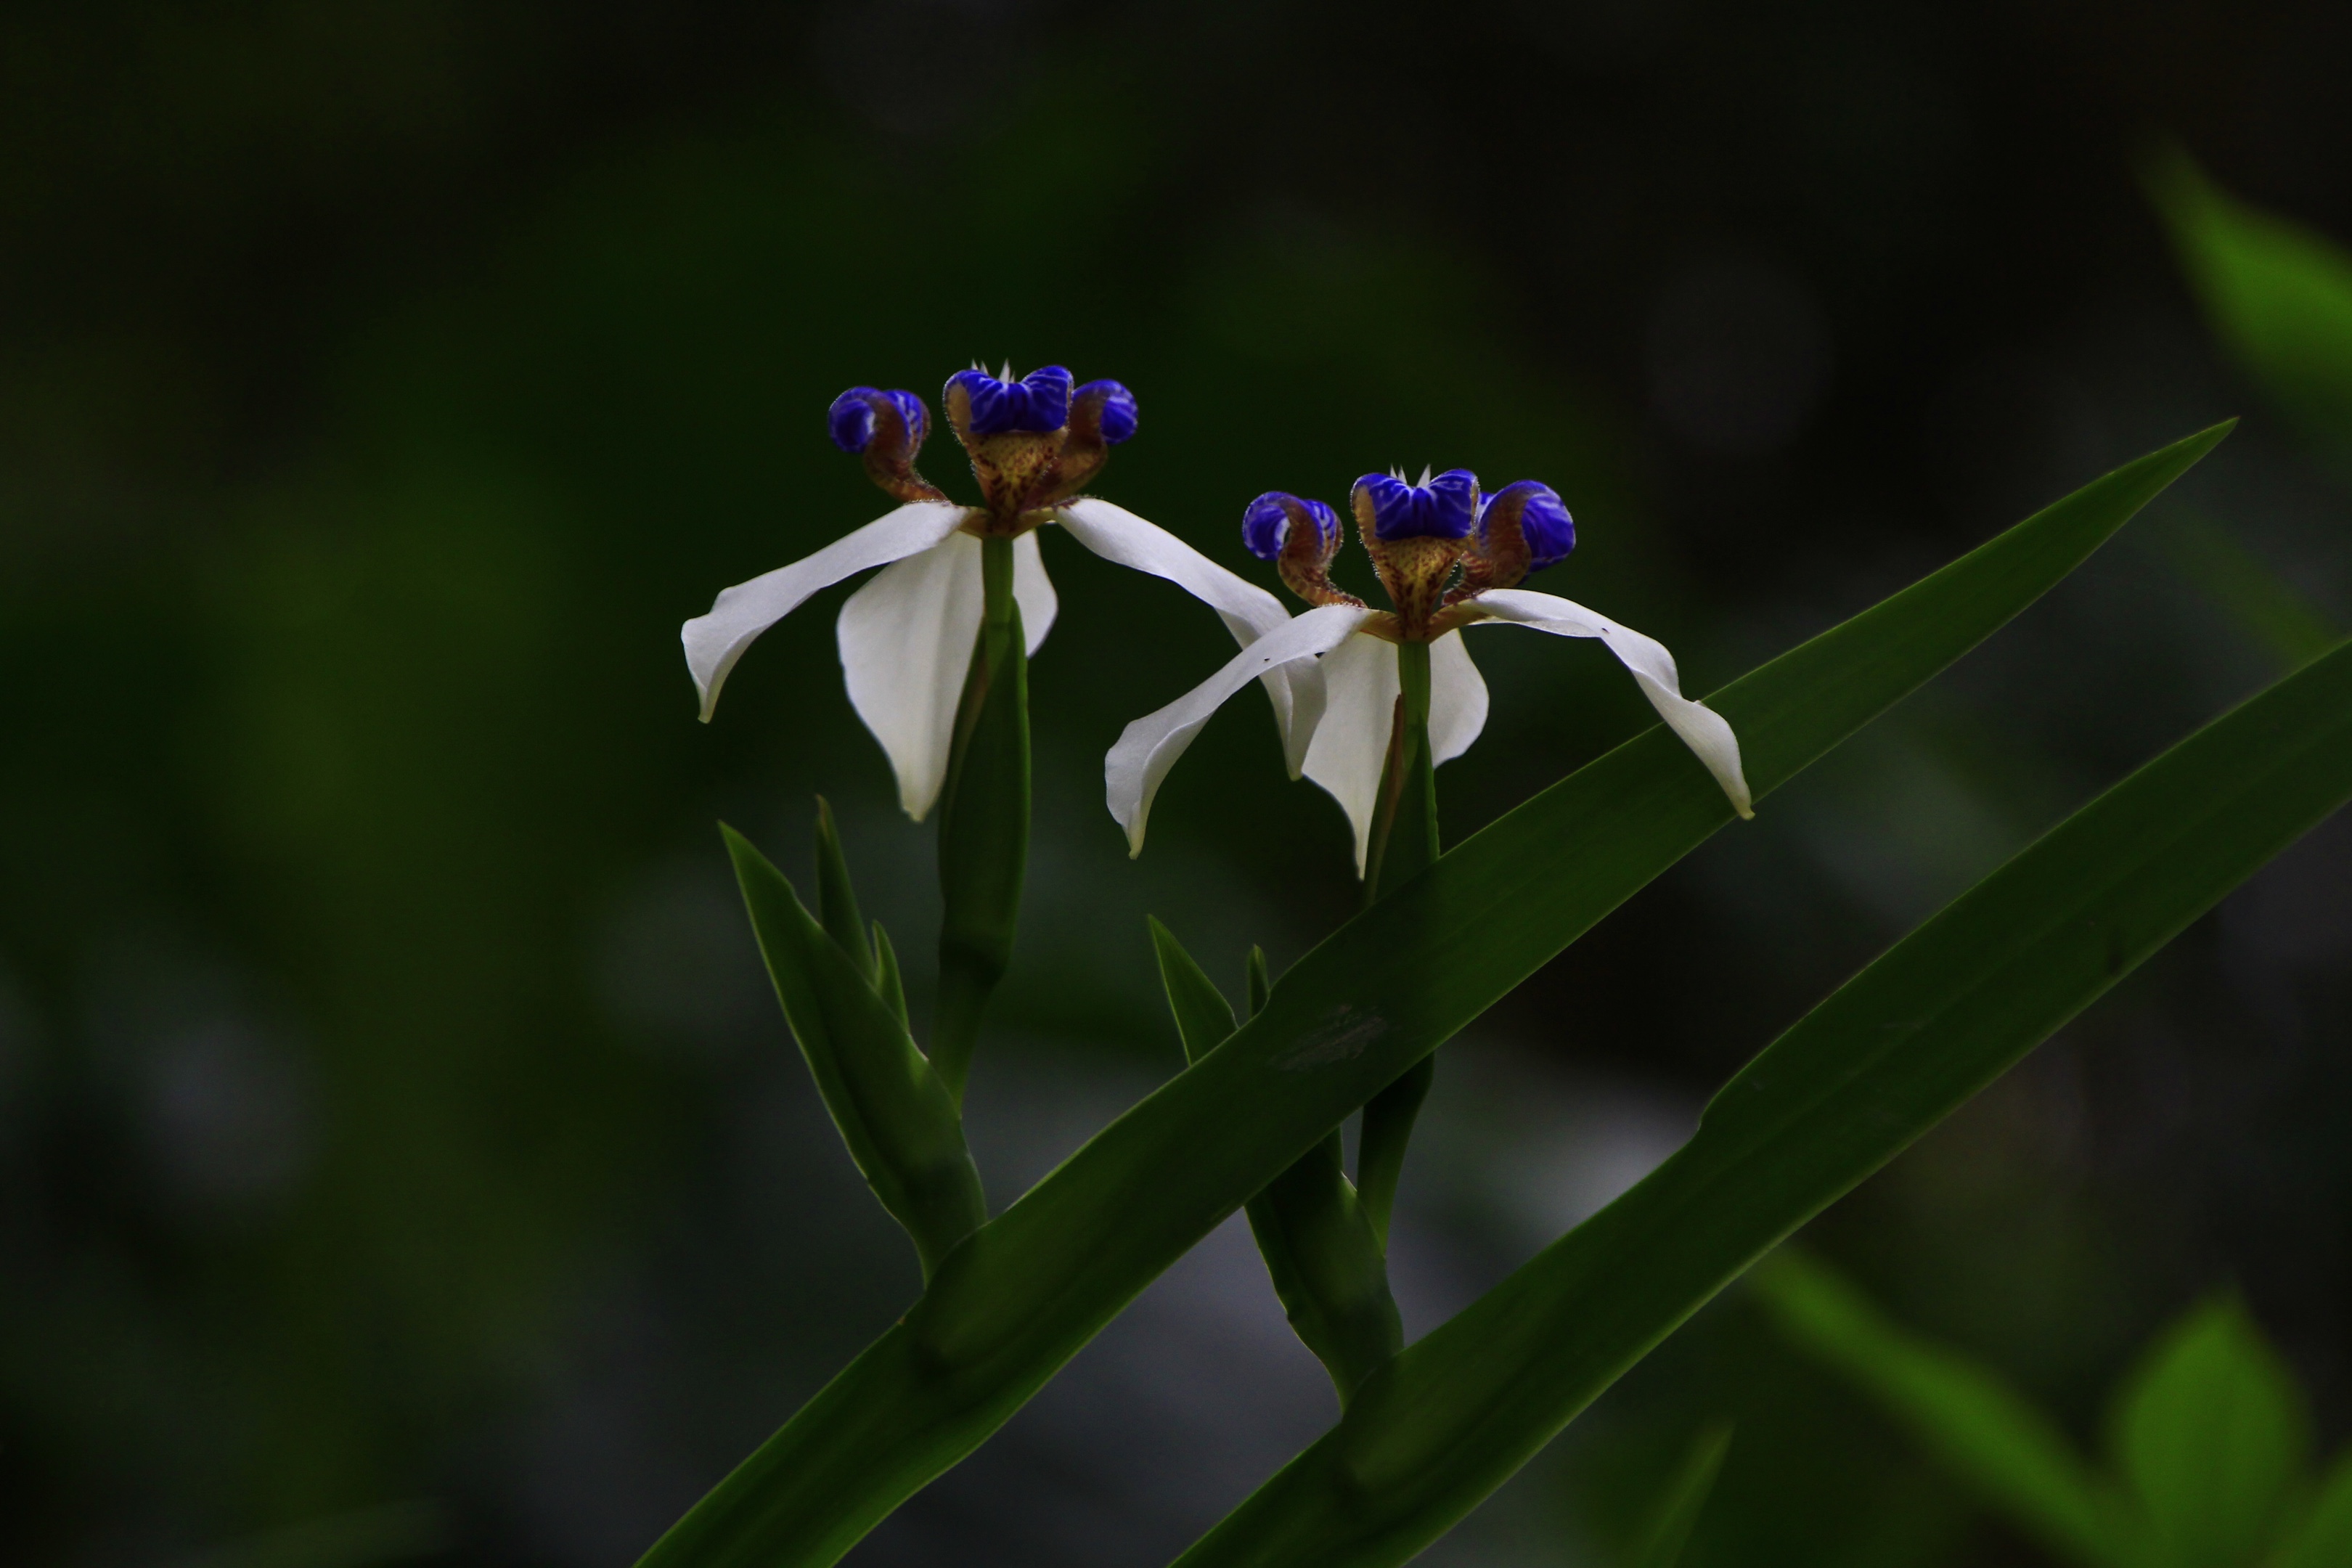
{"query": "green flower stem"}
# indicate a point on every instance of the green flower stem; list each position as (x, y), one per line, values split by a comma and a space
(983, 823)
(1404, 827)
(1010, 1306)
(1324, 1238)
(1405, 841)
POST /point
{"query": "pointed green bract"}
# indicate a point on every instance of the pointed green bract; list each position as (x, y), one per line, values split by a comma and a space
(837, 899)
(2212, 1436)
(893, 1112)
(1976, 1424)
(1203, 1016)
(1032, 1287)
(1894, 1050)
(889, 982)
(1319, 1247)
(1678, 1512)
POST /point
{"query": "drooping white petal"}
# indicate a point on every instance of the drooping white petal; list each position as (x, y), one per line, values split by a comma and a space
(1702, 728)
(715, 641)
(1248, 611)
(1457, 698)
(905, 644)
(1350, 748)
(1150, 746)
(1033, 591)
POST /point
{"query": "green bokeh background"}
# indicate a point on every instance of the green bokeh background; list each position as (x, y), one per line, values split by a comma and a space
(397, 1144)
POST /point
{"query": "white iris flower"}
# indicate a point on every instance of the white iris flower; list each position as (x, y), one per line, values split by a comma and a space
(906, 637)
(1450, 559)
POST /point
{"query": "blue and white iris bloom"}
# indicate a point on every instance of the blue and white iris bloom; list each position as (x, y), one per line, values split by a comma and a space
(906, 637)
(1450, 557)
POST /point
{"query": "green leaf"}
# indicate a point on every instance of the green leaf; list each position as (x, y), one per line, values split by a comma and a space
(2211, 1435)
(1320, 1251)
(2325, 1538)
(1670, 1527)
(837, 899)
(1894, 1050)
(1964, 1413)
(894, 1115)
(2288, 625)
(1034, 1285)
(2279, 296)
(984, 824)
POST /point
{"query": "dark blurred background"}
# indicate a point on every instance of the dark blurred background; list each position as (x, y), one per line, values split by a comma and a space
(400, 1156)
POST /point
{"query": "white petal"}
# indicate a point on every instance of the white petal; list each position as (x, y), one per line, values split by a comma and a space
(1248, 611)
(1350, 750)
(905, 644)
(1033, 591)
(1702, 728)
(1148, 747)
(1457, 698)
(715, 641)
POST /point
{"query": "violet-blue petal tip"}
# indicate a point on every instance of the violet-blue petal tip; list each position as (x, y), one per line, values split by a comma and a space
(1038, 403)
(910, 409)
(1117, 420)
(1265, 525)
(1545, 524)
(1445, 508)
(850, 420)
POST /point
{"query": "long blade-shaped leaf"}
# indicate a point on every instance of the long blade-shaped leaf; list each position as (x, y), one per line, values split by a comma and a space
(2280, 297)
(1027, 1291)
(1983, 1428)
(1678, 1512)
(1934, 1020)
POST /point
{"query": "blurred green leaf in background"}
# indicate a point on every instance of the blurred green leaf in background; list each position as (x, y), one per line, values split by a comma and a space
(2209, 1443)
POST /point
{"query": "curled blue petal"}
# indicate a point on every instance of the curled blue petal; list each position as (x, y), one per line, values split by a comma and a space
(852, 419)
(1048, 389)
(918, 417)
(1115, 414)
(1038, 403)
(1542, 517)
(1444, 508)
(1265, 525)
